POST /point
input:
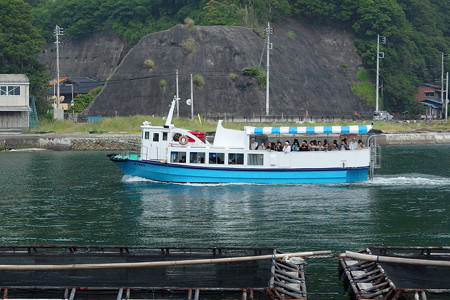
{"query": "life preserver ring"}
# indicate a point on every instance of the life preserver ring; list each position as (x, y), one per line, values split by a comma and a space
(183, 140)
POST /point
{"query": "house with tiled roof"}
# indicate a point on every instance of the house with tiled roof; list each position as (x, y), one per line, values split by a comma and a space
(429, 95)
(70, 87)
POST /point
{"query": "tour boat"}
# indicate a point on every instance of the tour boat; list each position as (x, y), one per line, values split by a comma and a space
(170, 154)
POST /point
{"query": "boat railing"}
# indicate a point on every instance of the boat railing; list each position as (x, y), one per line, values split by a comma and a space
(375, 155)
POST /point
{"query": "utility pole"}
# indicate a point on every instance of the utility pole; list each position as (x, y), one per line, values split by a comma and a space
(442, 81)
(58, 32)
(269, 31)
(178, 96)
(192, 98)
(446, 99)
(379, 55)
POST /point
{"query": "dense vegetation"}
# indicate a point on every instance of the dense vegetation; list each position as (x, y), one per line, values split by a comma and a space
(20, 41)
(417, 31)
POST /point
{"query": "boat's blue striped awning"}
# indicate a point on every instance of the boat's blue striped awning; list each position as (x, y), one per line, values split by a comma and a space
(309, 129)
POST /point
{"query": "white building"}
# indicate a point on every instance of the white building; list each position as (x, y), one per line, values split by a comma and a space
(14, 101)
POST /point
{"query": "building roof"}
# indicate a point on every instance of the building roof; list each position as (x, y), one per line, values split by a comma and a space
(431, 102)
(431, 86)
(14, 78)
(15, 108)
(81, 85)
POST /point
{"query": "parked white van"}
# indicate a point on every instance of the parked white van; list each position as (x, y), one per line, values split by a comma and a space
(382, 116)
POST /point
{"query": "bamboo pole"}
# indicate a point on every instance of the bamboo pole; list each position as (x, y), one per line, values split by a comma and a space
(397, 260)
(154, 263)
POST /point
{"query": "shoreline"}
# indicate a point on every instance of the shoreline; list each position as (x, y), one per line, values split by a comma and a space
(123, 142)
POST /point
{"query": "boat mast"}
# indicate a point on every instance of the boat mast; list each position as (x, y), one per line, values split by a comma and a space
(170, 115)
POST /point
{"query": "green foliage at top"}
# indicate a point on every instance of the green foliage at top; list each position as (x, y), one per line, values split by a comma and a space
(20, 42)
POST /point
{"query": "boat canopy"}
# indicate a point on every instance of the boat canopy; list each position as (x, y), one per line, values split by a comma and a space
(355, 129)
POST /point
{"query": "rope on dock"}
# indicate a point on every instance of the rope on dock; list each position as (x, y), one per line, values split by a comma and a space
(155, 263)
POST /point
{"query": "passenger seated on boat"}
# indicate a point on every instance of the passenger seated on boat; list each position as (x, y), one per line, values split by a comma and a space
(269, 146)
(343, 145)
(304, 146)
(198, 160)
(261, 147)
(335, 146)
(295, 146)
(183, 159)
(326, 146)
(279, 147)
(253, 144)
(361, 145)
(287, 147)
(319, 146)
(353, 145)
(312, 147)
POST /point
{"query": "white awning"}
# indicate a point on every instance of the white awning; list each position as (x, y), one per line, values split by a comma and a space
(309, 129)
(15, 108)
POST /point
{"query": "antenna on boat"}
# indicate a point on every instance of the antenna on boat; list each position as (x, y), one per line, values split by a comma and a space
(170, 115)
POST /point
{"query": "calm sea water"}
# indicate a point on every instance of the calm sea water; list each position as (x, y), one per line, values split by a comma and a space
(82, 198)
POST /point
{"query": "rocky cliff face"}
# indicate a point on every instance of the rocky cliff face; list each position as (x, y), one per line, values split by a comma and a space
(96, 57)
(312, 70)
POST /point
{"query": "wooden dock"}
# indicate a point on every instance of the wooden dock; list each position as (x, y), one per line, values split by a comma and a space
(122, 272)
(390, 273)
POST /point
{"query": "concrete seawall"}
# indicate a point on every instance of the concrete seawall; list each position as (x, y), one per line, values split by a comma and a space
(84, 142)
(73, 142)
(413, 138)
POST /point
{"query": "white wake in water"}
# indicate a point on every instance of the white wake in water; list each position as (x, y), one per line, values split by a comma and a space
(132, 179)
(409, 180)
(399, 180)
(128, 178)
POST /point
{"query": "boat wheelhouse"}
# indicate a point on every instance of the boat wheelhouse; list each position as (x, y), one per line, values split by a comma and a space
(171, 154)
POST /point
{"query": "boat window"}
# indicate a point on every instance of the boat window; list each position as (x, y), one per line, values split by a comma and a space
(197, 157)
(146, 135)
(164, 136)
(156, 137)
(216, 158)
(178, 157)
(256, 159)
(235, 158)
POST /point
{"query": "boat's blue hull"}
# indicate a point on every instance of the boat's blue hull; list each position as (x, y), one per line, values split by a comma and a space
(167, 172)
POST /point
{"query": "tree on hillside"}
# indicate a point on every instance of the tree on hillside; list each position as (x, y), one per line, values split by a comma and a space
(20, 41)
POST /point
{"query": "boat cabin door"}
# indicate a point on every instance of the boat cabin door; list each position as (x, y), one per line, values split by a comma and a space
(154, 145)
